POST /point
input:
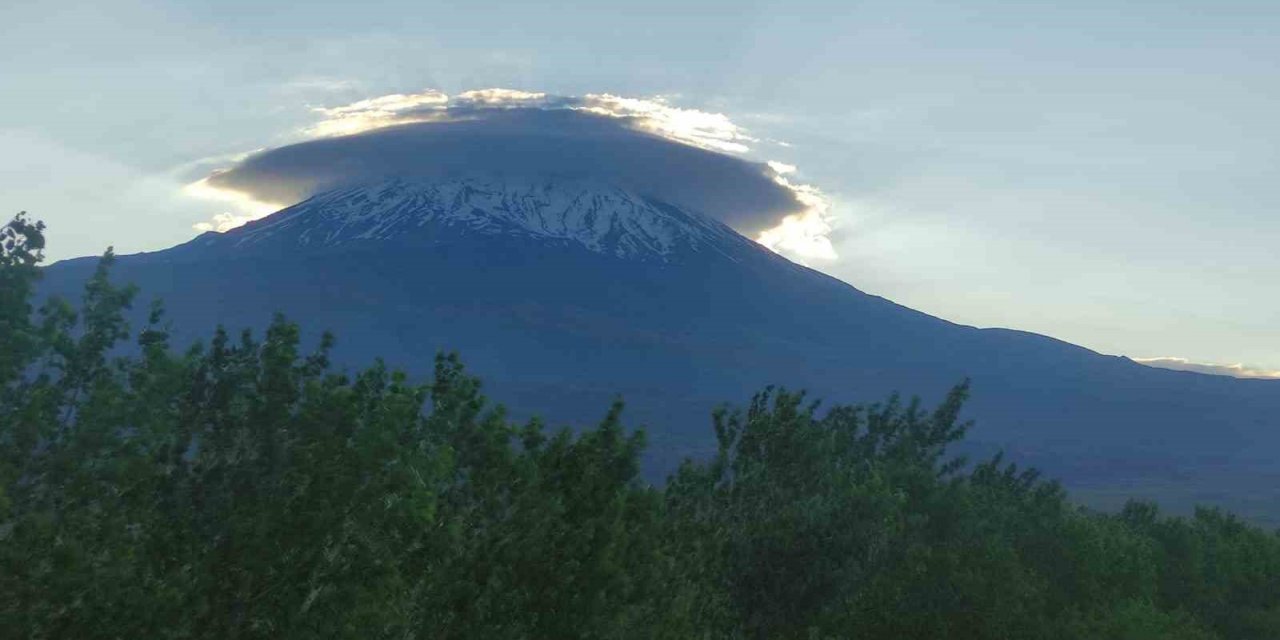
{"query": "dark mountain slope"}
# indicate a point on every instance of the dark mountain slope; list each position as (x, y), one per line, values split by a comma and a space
(562, 296)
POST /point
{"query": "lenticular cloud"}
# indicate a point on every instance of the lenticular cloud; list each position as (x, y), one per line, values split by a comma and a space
(686, 157)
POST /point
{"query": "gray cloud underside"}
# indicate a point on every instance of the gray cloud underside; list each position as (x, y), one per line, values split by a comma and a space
(523, 143)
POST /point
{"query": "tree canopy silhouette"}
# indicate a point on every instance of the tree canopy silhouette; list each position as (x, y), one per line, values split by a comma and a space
(247, 488)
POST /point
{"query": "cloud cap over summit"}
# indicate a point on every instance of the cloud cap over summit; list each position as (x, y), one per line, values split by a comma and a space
(477, 138)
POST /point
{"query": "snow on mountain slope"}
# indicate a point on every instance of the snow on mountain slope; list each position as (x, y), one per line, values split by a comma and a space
(604, 219)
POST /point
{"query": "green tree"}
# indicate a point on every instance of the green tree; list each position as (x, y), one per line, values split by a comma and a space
(246, 488)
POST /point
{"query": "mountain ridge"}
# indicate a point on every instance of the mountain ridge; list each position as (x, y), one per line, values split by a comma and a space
(600, 217)
(562, 319)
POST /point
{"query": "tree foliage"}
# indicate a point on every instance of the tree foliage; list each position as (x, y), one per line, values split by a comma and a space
(246, 488)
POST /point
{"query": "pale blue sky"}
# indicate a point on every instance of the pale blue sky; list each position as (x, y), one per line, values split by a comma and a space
(1102, 172)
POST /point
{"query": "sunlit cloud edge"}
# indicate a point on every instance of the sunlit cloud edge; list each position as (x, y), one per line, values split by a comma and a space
(1236, 370)
(802, 235)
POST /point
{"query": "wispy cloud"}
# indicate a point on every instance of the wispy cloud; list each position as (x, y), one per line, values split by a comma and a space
(375, 113)
(319, 84)
(806, 234)
(247, 207)
(224, 222)
(713, 131)
(707, 130)
(1233, 370)
(799, 230)
(502, 97)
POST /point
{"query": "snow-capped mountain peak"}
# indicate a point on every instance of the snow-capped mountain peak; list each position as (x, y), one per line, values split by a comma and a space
(602, 218)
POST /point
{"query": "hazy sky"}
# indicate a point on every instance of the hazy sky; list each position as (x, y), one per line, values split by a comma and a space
(1106, 173)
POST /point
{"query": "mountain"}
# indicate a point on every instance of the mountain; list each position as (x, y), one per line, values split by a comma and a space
(563, 294)
(597, 217)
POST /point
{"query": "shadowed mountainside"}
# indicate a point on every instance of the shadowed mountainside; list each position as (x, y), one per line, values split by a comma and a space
(563, 296)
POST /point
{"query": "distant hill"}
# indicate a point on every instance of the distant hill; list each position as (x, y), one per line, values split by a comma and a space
(563, 295)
